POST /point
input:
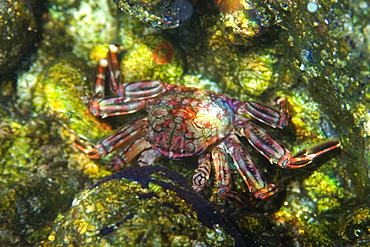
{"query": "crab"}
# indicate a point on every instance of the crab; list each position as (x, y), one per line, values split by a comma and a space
(184, 122)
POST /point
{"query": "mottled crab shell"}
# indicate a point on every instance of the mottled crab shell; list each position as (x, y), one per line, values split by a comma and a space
(187, 123)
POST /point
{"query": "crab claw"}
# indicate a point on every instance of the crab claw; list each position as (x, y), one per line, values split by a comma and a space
(92, 152)
(266, 192)
(276, 153)
(226, 194)
(276, 119)
(305, 157)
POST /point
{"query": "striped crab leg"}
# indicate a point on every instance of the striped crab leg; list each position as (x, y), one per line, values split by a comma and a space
(138, 146)
(276, 119)
(223, 174)
(276, 153)
(129, 97)
(202, 173)
(125, 136)
(217, 157)
(248, 170)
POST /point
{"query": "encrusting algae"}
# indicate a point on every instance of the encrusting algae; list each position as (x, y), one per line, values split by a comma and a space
(316, 56)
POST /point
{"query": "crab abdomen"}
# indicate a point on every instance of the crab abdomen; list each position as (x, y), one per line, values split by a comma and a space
(186, 123)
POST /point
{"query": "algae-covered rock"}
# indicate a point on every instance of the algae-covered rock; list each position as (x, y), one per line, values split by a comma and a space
(63, 92)
(40, 169)
(143, 206)
(313, 53)
(240, 72)
(242, 20)
(153, 58)
(355, 226)
(159, 13)
(36, 184)
(18, 30)
(27, 213)
(78, 26)
(330, 71)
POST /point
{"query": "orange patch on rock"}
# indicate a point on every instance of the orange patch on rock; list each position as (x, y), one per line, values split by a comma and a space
(163, 54)
(229, 6)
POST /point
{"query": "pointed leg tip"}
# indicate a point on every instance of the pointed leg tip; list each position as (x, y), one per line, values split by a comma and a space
(335, 142)
(326, 146)
(103, 62)
(267, 192)
(113, 48)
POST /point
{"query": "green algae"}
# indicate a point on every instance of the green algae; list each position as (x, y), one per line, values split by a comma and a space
(305, 114)
(62, 92)
(158, 13)
(74, 19)
(307, 211)
(324, 57)
(325, 191)
(144, 61)
(38, 179)
(26, 212)
(318, 65)
(355, 226)
(239, 72)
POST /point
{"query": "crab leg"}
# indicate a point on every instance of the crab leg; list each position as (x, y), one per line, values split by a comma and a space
(141, 90)
(129, 153)
(100, 79)
(248, 170)
(276, 153)
(264, 114)
(115, 76)
(223, 174)
(130, 96)
(222, 170)
(134, 100)
(148, 156)
(115, 106)
(120, 138)
(315, 151)
(129, 91)
(95, 105)
(202, 173)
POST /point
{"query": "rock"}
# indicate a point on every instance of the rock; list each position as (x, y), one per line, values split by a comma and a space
(18, 29)
(147, 206)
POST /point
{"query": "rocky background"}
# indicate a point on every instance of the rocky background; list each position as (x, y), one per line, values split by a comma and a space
(316, 54)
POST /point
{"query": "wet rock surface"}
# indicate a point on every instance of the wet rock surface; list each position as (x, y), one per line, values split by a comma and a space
(146, 206)
(18, 28)
(314, 54)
